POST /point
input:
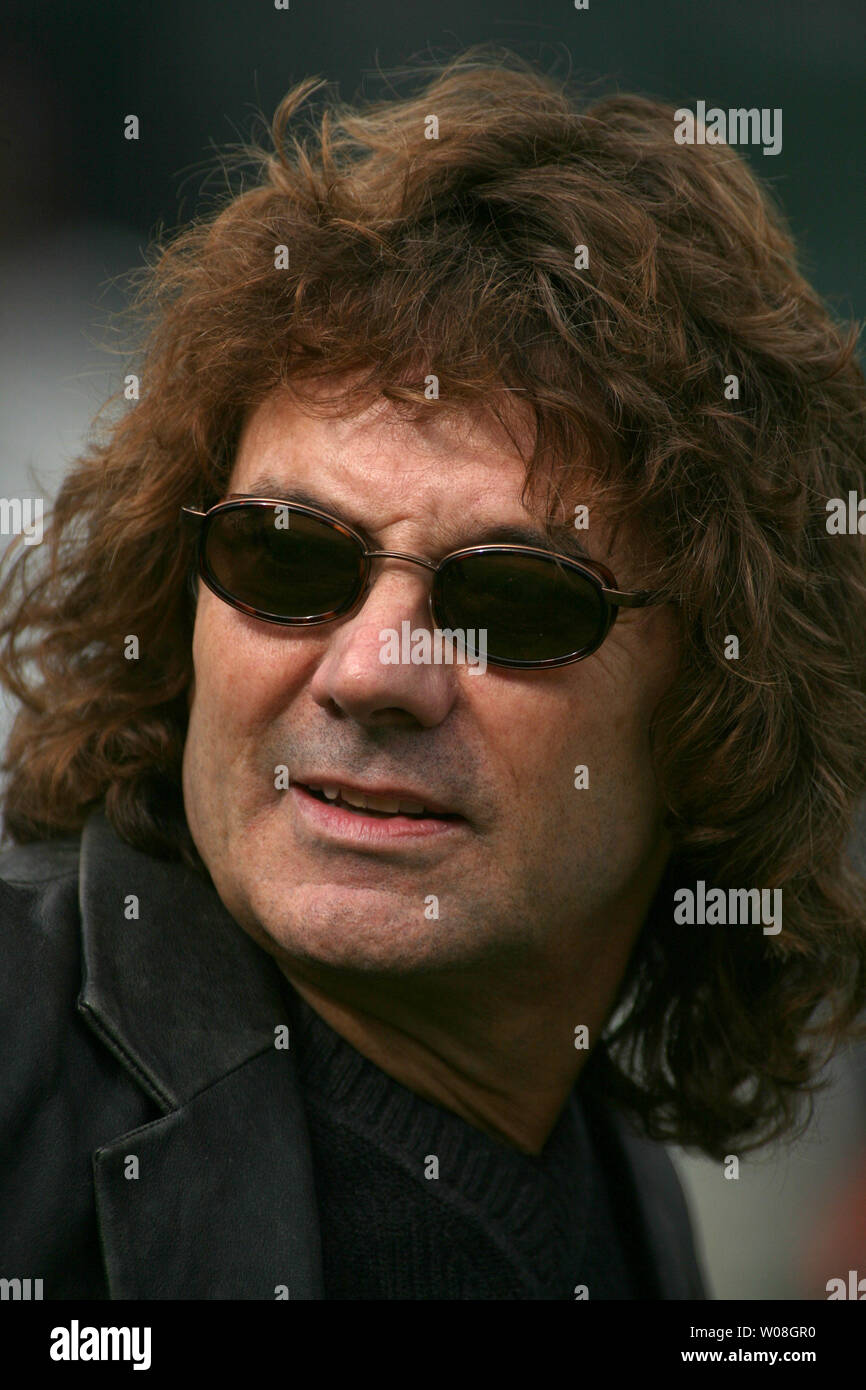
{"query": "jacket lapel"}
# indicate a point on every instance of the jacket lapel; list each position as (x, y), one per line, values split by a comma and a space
(663, 1214)
(223, 1204)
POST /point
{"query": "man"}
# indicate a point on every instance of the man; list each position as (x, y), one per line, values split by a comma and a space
(362, 966)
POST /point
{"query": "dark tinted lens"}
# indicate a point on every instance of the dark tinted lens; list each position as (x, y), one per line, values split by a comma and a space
(283, 562)
(534, 609)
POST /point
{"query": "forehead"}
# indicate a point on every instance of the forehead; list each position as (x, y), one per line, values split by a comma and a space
(451, 471)
(434, 452)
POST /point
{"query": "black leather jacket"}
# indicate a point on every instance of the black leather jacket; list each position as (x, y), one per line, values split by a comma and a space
(153, 1038)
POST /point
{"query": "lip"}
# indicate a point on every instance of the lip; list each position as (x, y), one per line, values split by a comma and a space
(353, 827)
(329, 779)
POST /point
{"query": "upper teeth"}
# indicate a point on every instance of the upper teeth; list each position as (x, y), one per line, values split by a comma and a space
(370, 803)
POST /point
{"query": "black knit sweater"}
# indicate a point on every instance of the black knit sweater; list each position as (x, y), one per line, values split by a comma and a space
(495, 1223)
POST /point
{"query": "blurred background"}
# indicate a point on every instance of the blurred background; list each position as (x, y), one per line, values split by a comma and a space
(80, 204)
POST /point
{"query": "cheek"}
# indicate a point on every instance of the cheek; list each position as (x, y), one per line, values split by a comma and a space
(548, 717)
(574, 751)
(222, 717)
(245, 673)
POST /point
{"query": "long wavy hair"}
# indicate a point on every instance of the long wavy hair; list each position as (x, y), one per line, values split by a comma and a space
(411, 251)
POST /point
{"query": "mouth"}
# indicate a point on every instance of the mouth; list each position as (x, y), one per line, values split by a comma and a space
(367, 806)
(346, 813)
(379, 807)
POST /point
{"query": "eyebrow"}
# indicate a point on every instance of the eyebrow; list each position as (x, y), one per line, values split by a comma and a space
(559, 534)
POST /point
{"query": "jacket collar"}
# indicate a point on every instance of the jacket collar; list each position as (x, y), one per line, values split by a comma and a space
(174, 986)
(224, 1203)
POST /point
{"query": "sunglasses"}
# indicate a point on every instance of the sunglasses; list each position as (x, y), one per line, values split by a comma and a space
(295, 565)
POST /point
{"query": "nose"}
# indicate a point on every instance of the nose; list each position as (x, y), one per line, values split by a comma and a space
(353, 675)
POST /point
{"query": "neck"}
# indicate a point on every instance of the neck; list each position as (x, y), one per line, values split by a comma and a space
(505, 1064)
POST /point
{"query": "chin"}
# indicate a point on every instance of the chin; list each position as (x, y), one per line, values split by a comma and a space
(348, 930)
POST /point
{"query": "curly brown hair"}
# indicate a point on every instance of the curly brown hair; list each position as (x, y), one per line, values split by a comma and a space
(455, 255)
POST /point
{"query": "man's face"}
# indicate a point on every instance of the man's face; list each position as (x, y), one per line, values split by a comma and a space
(535, 875)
